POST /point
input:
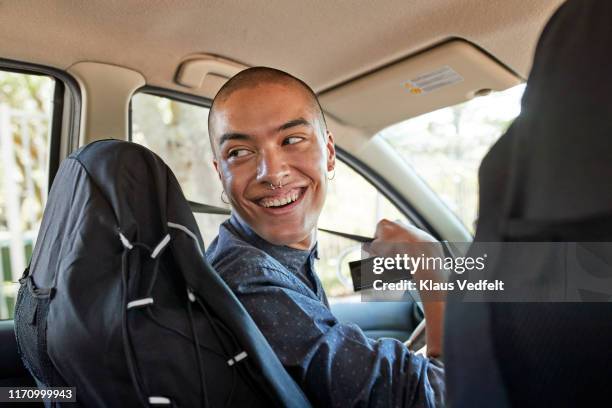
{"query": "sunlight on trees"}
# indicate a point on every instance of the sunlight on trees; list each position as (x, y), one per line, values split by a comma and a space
(446, 147)
(25, 108)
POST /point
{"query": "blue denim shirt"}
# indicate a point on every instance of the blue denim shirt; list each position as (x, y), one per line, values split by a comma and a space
(335, 363)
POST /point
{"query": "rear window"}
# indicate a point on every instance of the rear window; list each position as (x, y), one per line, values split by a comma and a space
(26, 104)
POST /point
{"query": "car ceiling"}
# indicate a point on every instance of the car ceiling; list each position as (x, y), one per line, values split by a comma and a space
(324, 42)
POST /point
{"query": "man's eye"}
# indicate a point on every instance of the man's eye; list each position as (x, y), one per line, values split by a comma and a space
(238, 153)
(292, 140)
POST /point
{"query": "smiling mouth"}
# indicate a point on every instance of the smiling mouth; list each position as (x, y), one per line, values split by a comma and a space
(284, 199)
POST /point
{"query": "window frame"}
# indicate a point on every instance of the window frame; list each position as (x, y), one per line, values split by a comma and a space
(65, 117)
(64, 83)
(370, 175)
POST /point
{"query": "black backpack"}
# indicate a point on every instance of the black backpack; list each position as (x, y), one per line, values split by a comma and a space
(119, 301)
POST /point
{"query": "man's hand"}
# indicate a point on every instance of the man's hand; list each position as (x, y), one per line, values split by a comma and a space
(391, 239)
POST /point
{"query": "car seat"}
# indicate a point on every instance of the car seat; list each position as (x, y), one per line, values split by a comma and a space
(546, 180)
(119, 301)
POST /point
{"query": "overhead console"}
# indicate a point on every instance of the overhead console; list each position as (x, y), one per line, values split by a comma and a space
(444, 75)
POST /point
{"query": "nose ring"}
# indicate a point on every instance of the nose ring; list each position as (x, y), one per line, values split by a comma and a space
(273, 187)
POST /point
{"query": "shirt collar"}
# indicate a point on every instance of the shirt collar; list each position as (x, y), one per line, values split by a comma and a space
(293, 259)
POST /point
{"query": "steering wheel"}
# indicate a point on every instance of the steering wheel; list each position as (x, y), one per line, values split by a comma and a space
(417, 339)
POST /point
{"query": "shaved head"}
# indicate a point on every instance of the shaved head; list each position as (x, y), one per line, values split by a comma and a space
(258, 76)
(271, 146)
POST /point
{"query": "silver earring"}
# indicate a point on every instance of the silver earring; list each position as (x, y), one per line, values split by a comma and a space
(223, 192)
(333, 175)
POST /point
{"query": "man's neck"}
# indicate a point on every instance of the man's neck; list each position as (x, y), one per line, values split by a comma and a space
(307, 243)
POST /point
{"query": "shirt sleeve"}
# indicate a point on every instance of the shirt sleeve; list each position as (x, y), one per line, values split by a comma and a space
(335, 363)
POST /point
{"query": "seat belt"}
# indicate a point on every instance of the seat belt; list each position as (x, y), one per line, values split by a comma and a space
(200, 208)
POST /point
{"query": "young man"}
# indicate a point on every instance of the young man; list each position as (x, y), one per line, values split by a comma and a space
(273, 154)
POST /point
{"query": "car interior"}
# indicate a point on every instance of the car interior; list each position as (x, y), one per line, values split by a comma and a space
(401, 84)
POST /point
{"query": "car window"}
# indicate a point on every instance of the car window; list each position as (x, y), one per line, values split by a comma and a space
(353, 205)
(178, 133)
(445, 147)
(26, 104)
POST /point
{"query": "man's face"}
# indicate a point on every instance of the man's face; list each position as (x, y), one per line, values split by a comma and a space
(270, 135)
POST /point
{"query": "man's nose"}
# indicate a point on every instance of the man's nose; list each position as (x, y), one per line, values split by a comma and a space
(272, 168)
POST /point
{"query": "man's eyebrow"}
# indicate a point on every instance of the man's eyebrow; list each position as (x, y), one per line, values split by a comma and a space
(233, 136)
(293, 123)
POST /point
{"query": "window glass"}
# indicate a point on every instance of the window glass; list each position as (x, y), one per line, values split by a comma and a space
(178, 133)
(445, 147)
(353, 206)
(25, 119)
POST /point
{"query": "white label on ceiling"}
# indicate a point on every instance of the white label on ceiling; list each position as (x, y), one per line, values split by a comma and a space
(430, 81)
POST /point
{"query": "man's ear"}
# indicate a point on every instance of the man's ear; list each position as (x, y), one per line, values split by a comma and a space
(331, 151)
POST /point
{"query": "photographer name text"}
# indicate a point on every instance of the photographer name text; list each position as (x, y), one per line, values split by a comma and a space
(431, 285)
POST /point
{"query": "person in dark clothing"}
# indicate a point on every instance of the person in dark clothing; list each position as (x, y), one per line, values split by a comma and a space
(546, 180)
(273, 153)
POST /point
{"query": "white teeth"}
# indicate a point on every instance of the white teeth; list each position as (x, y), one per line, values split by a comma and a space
(277, 202)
